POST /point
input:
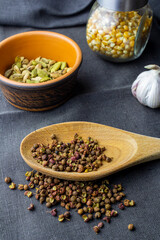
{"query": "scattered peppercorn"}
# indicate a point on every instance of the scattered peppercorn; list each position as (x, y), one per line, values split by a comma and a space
(31, 207)
(12, 186)
(67, 215)
(29, 194)
(31, 185)
(126, 202)
(100, 225)
(76, 156)
(7, 180)
(85, 218)
(90, 199)
(25, 187)
(61, 218)
(130, 227)
(97, 215)
(121, 206)
(114, 213)
(48, 204)
(53, 212)
(80, 211)
(96, 229)
(20, 186)
(131, 203)
(90, 216)
(107, 219)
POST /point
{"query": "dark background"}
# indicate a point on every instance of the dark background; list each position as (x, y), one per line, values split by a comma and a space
(104, 96)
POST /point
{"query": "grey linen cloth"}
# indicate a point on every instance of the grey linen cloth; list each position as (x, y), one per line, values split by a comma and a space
(103, 96)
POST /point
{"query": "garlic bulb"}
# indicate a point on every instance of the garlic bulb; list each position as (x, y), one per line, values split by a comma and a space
(146, 88)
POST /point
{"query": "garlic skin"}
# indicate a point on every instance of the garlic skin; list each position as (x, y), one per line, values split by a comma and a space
(146, 88)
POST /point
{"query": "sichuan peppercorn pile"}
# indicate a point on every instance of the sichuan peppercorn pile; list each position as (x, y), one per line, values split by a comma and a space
(76, 156)
(92, 200)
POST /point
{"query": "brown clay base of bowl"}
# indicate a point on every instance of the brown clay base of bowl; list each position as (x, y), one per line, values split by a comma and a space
(40, 109)
(40, 99)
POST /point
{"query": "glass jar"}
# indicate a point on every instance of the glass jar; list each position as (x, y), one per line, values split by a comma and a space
(116, 31)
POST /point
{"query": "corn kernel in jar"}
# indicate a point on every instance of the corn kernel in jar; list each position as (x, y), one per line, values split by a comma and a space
(116, 34)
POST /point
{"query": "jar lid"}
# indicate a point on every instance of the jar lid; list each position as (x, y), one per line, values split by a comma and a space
(123, 5)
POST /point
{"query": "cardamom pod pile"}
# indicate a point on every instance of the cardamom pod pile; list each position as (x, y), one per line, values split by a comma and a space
(36, 70)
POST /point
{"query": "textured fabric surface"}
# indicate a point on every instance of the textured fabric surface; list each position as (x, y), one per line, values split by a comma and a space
(44, 14)
(103, 95)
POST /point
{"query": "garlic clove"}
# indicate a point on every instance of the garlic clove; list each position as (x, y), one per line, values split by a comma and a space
(136, 83)
(152, 67)
(146, 88)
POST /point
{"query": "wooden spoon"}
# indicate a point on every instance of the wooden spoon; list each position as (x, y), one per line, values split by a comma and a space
(126, 148)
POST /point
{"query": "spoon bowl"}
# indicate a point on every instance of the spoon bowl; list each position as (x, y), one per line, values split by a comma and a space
(126, 148)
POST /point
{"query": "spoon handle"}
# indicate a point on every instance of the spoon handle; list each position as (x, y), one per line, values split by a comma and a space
(148, 148)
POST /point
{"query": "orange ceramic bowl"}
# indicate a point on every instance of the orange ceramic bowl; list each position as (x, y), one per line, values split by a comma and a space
(39, 96)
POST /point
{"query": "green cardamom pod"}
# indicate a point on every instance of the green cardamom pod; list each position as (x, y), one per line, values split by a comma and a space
(56, 67)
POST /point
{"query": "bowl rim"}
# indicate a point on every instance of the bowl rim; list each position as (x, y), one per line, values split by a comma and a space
(50, 82)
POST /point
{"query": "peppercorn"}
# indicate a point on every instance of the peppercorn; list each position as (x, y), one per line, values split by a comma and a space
(85, 218)
(90, 209)
(114, 190)
(130, 227)
(108, 213)
(62, 204)
(7, 180)
(67, 206)
(85, 209)
(107, 219)
(78, 205)
(66, 215)
(41, 200)
(118, 198)
(122, 194)
(25, 187)
(80, 211)
(107, 200)
(100, 225)
(90, 216)
(112, 200)
(114, 213)
(53, 212)
(73, 199)
(131, 203)
(96, 209)
(28, 178)
(89, 202)
(20, 186)
(35, 181)
(48, 204)
(102, 203)
(12, 186)
(107, 206)
(68, 169)
(126, 202)
(103, 210)
(61, 218)
(109, 195)
(37, 196)
(96, 229)
(31, 207)
(121, 206)
(32, 179)
(97, 215)
(29, 194)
